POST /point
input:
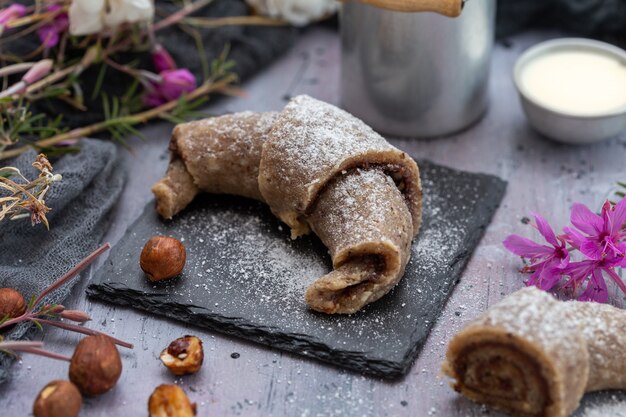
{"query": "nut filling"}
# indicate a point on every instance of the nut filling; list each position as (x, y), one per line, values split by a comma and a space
(504, 377)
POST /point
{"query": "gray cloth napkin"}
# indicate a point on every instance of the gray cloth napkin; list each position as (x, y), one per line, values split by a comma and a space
(31, 257)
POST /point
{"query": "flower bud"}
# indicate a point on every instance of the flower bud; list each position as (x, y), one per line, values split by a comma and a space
(176, 82)
(75, 315)
(14, 11)
(162, 59)
(54, 308)
(37, 71)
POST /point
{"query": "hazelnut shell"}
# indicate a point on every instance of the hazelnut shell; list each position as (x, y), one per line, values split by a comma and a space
(58, 399)
(184, 355)
(96, 365)
(162, 258)
(170, 400)
(12, 303)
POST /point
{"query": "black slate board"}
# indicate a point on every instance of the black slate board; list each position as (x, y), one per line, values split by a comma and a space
(245, 277)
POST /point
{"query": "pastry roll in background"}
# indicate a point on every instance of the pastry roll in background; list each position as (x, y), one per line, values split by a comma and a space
(534, 356)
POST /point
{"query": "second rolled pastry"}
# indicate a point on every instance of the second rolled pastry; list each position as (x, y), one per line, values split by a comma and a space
(534, 356)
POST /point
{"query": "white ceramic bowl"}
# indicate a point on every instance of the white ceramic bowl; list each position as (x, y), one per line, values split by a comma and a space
(561, 125)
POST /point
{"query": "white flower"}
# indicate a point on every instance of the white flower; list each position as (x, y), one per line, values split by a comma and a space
(91, 16)
(296, 12)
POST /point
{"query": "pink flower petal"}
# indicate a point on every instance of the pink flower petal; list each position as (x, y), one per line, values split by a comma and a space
(592, 250)
(545, 229)
(549, 276)
(525, 247)
(596, 289)
(616, 278)
(574, 237)
(586, 220)
(617, 216)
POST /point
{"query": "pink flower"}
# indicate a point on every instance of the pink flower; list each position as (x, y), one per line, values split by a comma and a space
(49, 34)
(605, 235)
(37, 71)
(162, 59)
(546, 262)
(174, 83)
(14, 11)
(592, 272)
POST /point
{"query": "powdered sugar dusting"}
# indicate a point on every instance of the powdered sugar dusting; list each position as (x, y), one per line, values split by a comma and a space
(243, 268)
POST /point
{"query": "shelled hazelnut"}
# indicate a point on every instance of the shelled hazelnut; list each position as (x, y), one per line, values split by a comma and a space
(162, 258)
(184, 355)
(170, 400)
(58, 399)
(12, 303)
(96, 365)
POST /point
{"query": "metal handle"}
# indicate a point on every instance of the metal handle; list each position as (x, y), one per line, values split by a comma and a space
(450, 8)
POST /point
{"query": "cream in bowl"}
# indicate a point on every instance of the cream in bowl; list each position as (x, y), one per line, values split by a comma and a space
(573, 90)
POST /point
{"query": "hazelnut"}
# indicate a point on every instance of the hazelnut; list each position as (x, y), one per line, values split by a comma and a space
(96, 365)
(184, 355)
(58, 399)
(170, 401)
(12, 303)
(162, 258)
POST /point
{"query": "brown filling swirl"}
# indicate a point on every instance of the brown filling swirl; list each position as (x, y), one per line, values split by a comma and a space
(504, 377)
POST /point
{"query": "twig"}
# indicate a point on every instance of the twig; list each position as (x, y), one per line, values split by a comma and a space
(30, 347)
(75, 270)
(80, 329)
(206, 88)
(179, 15)
(235, 21)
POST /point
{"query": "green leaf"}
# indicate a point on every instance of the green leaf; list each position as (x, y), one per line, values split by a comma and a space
(99, 80)
(31, 302)
(39, 326)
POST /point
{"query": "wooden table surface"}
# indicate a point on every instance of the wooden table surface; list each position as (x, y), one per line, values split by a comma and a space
(543, 176)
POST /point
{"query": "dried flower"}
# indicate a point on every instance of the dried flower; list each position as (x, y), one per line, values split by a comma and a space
(27, 198)
(170, 400)
(184, 355)
(14, 11)
(601, 239)
(58, 399)
(174, 83)
(91, 16)
(49, 34)
(96, 365)
(162, 59)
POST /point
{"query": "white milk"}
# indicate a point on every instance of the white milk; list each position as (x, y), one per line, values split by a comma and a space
(578, 82)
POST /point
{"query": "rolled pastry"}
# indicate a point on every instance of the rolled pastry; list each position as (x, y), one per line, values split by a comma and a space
(310, 143)
(362, 218)
(220, 155)
(534, 356)
(363, 202)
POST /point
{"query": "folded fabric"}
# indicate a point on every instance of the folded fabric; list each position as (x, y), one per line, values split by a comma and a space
(31, 258)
